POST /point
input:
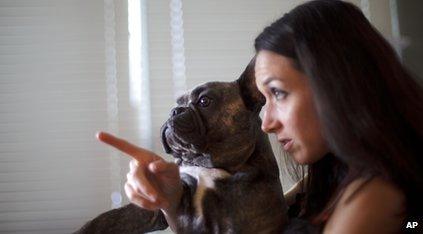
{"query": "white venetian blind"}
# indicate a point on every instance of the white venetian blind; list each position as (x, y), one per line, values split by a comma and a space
(219, 35)
(63, 72)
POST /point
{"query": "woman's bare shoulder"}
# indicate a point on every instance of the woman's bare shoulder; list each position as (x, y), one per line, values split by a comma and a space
(368, 206)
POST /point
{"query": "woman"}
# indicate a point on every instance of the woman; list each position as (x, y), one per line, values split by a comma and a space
(340, 102)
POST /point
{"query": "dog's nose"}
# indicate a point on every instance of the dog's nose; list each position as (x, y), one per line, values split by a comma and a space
(177, 110)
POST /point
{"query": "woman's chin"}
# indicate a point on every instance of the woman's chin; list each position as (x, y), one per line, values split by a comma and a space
(302, 161)
(302, 158)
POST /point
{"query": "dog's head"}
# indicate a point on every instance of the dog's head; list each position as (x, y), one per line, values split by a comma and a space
(215, 124)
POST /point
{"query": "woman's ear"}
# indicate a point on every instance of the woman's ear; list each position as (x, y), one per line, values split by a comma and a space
(251, 96)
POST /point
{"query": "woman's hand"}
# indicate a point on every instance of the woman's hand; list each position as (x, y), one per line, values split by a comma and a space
(152, 183)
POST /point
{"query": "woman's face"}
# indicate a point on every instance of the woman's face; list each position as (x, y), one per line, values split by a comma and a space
(289, 111)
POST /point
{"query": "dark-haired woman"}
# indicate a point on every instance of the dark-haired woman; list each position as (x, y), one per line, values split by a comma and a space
(339, 101)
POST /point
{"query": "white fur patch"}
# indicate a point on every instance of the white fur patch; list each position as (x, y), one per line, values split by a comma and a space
(205, 180)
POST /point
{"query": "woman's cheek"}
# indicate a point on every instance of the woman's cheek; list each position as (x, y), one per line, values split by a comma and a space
(286, 115)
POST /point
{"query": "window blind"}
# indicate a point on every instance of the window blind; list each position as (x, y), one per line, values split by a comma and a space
(55, 59)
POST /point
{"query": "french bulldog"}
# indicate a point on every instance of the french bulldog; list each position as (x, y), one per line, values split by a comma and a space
(229, 173)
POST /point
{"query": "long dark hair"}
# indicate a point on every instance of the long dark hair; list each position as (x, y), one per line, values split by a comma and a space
(369, 106)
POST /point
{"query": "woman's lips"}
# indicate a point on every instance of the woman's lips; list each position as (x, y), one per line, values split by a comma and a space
(286, 143)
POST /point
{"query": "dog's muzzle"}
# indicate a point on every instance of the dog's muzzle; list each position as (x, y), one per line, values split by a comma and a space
(184, 132)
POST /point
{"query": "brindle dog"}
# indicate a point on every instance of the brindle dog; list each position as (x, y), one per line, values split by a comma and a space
(229, 173)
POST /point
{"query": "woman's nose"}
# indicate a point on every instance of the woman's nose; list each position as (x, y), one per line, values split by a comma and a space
(270, 122)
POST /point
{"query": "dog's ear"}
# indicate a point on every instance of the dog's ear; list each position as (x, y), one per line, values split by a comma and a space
(251, 96)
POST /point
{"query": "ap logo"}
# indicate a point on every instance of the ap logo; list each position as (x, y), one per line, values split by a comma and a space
(412, 225)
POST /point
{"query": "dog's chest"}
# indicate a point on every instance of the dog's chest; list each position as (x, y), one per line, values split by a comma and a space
(205, 178)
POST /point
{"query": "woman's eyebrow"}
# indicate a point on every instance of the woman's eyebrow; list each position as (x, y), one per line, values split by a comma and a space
(270, 79)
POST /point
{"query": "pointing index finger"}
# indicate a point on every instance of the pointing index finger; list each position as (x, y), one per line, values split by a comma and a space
(140, 154)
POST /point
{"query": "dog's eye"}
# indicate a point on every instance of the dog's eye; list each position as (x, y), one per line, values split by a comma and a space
(204, 101)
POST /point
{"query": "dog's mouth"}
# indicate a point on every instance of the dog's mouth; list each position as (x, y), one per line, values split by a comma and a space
(172, 143)
(183, 135)
(166, 146)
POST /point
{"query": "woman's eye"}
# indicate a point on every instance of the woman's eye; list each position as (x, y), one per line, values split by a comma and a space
(278, 94)
(204, 101)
